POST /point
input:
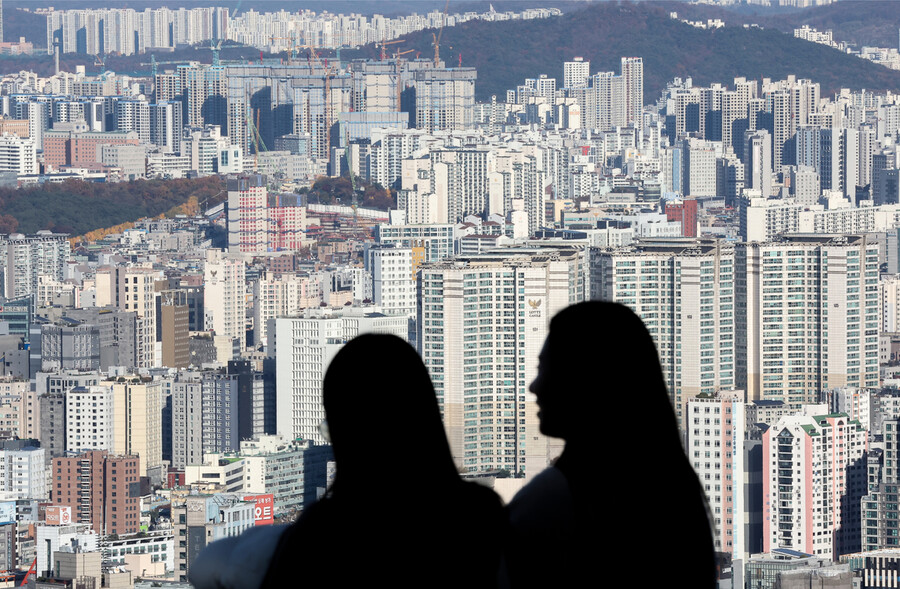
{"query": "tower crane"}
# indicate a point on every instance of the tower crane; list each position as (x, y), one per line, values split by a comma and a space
(437, 38)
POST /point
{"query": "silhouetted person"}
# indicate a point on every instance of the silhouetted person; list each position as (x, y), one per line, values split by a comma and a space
(398, 514)
(622, 499)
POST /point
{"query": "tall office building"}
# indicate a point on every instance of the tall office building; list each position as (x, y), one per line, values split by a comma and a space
(102, 489)
(807, 316)
(633, 72)
(174, 328)
(502, 302)
(684, 293)
(814, 476)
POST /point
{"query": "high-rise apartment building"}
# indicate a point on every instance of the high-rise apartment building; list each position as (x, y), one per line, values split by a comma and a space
(18, 155)
(684, 293)
(715, 427)
(137, 423)
(445, 98)
(633, 72)
(814, 475)
(393, 280)
(248, 221)
(284, 295)
(22, 472)
(225, 297)
(758, 162)
(134, 115)
(24, 259)
(576, 73)
(89, 419)
(436, 241)
(807, 316)
(502, 302)
(303, 347)
(102, 489)
(166, 125)
(878, 510)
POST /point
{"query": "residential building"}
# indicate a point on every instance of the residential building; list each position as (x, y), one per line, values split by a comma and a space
(503, 301)
(684, 291)
(807, 316)
(137, 426)
(813, 480)
(103, 490)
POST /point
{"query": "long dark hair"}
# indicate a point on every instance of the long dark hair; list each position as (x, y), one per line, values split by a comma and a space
(383, 416)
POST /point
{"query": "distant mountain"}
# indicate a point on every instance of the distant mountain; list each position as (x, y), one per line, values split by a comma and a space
(506, 53)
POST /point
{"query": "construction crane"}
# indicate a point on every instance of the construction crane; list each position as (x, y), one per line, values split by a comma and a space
(437, 38)
(291, 50)
(383, 44)
(215, 51)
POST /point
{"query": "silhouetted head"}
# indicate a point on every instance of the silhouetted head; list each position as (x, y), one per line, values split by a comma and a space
(599, 362)
(383, 415)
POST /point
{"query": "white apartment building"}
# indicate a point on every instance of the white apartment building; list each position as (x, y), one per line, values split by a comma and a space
(25, 258)
(436, 241)
(809, 315)
(503, 302)
(683, 290)
(18, 155)
(393, 280)
(134, 115)
(715, 429)
(889, 296)
(22, 474)
(576, 73)
(764, 220)
(303, 347)
(225, 297)
(812, 467)
(89, 419)
(633, 73)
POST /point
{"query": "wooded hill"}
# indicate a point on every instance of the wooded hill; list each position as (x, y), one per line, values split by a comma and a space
(76, 207)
